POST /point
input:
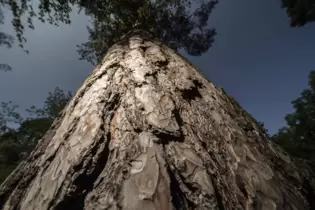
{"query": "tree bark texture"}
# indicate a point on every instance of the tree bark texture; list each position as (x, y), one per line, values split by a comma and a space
(147, 131)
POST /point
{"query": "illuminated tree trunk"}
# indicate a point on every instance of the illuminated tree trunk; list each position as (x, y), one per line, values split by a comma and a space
(147, 131)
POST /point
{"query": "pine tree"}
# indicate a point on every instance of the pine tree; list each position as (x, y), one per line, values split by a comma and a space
(146, 130)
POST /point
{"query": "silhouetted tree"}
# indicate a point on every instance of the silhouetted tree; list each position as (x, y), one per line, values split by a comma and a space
(300, 12)
(298, 137)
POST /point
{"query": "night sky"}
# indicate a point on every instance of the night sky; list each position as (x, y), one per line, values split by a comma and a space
(257, 58)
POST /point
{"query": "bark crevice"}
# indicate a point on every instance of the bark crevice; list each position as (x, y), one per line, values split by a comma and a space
(309, 193)
(166, 137)
(85, 174)
(192, 92)
(219, 199)
(178, 197)
(84, 182)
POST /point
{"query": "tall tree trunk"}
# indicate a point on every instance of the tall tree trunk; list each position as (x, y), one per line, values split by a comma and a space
(148, 131)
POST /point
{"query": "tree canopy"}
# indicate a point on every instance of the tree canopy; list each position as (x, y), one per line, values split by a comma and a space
(174, 22)
(300, 12)
(178, 23)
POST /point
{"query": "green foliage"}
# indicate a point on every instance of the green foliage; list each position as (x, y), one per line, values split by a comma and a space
(171, 21)
(16, 144)
(298, 137)
(300, 12)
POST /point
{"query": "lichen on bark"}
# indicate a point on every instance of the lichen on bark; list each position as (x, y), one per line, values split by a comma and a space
(147, 131)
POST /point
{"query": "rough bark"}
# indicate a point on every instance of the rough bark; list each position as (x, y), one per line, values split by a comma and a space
(147, 131)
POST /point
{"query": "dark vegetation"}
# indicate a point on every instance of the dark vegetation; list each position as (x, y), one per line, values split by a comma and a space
(301, 12)
(298, 137)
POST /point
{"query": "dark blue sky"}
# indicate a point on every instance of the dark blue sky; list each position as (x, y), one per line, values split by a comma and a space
(257, 58)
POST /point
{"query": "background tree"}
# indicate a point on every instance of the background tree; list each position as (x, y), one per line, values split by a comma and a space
(40, 119)
(298, 137)
(54, 103)
(9, 149)
(300, 12)
(19, 136)
(8, 116)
